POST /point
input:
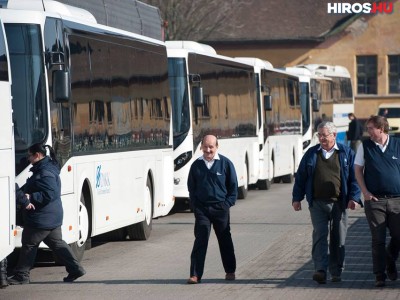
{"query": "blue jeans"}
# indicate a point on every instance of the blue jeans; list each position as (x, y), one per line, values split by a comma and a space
(328, 217)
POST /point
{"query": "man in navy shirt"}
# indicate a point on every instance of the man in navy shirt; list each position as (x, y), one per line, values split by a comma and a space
(377, 167)
(212, 185)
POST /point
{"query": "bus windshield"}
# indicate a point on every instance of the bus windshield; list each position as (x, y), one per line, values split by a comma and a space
(305, 105)
(389, 112)
(28, 89)
(179, 97)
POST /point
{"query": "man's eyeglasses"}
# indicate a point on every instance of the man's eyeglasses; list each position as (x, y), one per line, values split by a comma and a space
(325, 136)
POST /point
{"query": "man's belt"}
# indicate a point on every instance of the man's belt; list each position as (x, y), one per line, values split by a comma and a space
(387, 196)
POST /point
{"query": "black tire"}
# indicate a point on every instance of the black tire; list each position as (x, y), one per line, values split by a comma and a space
(141, 231)
(243, 190)
(78, 248)
(277, 179)
(289, 177)
(264, 184)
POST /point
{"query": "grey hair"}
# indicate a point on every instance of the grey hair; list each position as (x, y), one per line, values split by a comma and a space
(328, 125)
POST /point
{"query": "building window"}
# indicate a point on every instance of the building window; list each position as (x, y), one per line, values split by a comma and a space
(367, 66)
(394, 74)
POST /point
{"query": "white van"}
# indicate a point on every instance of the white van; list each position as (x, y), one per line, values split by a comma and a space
(392, 113)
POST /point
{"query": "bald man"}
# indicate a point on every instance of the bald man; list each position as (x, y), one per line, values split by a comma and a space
(212, 185)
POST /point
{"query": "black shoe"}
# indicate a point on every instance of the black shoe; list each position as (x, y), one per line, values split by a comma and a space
(3, 284)
(75, 276)
(391, 269)
(17, 279)
(336, 278)
(380, 280)
(319, 276)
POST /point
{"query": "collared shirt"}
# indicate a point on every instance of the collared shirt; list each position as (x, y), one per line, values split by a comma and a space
(210, 163)
(329, 153)
(359, 160)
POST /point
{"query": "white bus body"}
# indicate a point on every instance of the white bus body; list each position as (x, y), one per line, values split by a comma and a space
(279, 126)
(326, 94)
(100, 97)
(391, 111)
(7, 171)
(227, 109)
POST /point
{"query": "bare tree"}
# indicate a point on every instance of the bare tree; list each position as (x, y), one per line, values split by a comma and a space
(197, 20)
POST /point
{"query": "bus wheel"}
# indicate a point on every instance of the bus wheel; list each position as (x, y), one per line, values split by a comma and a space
(289, 177)
(141, 231)
(78, 248)
(264, 184)
(242, 190)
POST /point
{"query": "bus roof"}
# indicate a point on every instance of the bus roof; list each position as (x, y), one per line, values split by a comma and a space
(389, 105)
(255, 62)
(52, 7)
(128, 15)
(191, 47)
(326, 70)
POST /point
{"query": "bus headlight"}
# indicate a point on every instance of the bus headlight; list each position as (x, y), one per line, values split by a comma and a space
(182, 160)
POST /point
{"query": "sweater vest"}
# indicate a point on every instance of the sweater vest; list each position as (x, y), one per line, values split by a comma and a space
(327, 177)
(382, 169)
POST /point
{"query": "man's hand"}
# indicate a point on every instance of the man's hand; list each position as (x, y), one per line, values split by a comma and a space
(369, 197)
(30, 206)
(296, 205)
(352, 205)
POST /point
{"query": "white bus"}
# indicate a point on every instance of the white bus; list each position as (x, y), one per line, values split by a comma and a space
(100, 97)
(7, 171)
(279, 122)
(212, 94)
(326, 94)
(391, 111)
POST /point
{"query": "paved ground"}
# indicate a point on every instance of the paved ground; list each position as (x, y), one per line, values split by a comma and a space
(272, 243)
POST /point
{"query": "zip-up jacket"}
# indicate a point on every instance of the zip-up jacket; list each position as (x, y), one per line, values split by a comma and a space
(303, 186)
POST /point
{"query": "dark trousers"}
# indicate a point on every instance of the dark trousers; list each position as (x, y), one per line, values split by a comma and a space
(218, 216)
(354, 145)
(3, 273)
(31, 238)
(328, 219)
(383, 214)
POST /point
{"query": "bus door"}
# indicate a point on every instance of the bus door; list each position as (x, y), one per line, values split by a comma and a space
(7, 173)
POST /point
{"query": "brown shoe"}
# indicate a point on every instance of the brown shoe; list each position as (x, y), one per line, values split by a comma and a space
(193, 280)
(380, 280)
(230, 276)
(320, 276)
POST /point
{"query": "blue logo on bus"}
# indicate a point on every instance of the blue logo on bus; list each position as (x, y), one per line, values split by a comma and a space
(102, 181)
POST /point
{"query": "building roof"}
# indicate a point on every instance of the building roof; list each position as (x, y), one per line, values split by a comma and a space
(281, 20)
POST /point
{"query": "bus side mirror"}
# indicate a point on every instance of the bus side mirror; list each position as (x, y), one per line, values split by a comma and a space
(315, 105)
(267, 102)
(197, 95)
(61, 86)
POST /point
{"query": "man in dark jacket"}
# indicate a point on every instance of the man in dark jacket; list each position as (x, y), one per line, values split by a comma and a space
(326, 177)
(212, 185)
(41, 198)
(355, 132)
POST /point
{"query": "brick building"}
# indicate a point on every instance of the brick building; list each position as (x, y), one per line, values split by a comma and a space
(288, 32)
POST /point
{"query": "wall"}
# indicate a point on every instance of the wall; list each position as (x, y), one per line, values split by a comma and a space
(367, 35)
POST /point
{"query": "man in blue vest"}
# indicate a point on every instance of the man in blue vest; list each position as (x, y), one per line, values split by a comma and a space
(212, 185)
(326, 177)
(377, 167)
